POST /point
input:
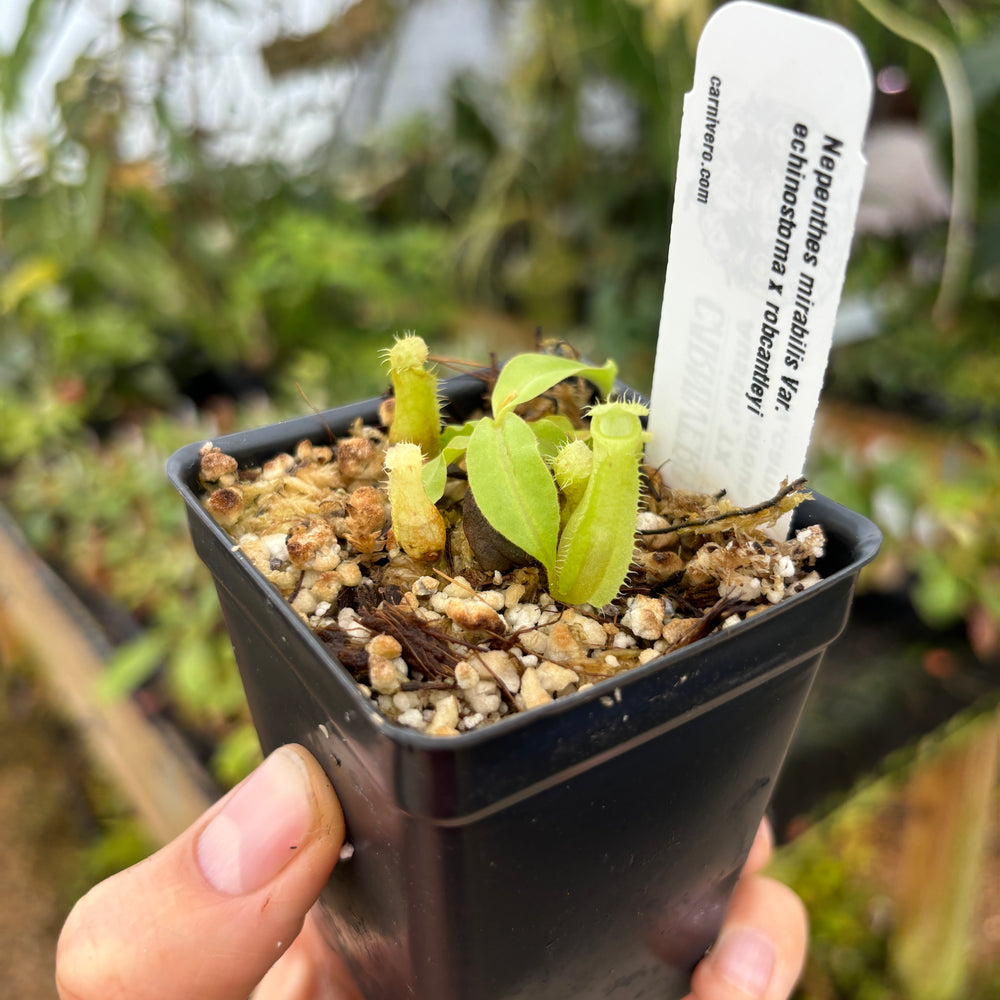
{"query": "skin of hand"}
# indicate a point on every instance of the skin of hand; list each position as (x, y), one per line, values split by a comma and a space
(222, 911)
(761, 948)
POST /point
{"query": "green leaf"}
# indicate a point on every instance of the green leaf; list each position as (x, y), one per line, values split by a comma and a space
(454, 442)
(553, 432)
(938, 594)
(133, 664)
(453, 447)
(237, 755)
(456, 436)
(526, 376)
(435, 477)
(513, 486)
(202, 679)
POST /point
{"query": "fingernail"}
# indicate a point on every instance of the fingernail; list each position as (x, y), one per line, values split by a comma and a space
(260, 828)
(745, 959)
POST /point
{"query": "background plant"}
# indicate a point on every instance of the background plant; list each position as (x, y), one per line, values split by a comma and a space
(937, 510)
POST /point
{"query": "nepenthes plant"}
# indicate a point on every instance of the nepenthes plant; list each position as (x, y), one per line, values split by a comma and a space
(564, 495)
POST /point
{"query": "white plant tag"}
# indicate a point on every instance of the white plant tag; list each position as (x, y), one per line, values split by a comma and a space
(768, 181)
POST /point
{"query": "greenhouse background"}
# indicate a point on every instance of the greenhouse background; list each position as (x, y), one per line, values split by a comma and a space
(216, 213)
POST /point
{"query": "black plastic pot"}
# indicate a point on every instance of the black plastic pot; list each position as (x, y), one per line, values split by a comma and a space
(584, 849)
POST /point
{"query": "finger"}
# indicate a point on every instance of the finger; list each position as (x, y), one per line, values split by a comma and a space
(761, 948)
(205, 917)
(761, 848)
(309, 970)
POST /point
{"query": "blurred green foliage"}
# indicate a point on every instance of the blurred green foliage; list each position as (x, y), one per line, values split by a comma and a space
(848, 947)
(172, 292)
(102, 513)
(938, 515)
(950, 380)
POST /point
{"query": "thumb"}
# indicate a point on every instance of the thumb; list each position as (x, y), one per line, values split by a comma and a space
(205, 917)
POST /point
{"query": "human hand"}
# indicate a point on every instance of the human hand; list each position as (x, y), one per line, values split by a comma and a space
(207, 916)
(761, 947)
(223, 909)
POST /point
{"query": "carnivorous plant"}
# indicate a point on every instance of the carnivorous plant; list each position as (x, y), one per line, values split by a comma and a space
(566, 496)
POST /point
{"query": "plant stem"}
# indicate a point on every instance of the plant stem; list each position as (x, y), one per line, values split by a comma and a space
(965, 157)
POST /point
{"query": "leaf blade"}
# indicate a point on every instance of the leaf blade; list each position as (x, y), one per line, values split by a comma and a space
(513, 486)
(527, 376)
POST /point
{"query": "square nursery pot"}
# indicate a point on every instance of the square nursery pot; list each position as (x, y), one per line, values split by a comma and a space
(584, 849)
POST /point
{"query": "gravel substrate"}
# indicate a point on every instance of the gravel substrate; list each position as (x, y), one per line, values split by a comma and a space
(449, 647)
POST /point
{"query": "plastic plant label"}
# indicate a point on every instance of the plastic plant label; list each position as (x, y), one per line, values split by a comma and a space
(768, 182)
